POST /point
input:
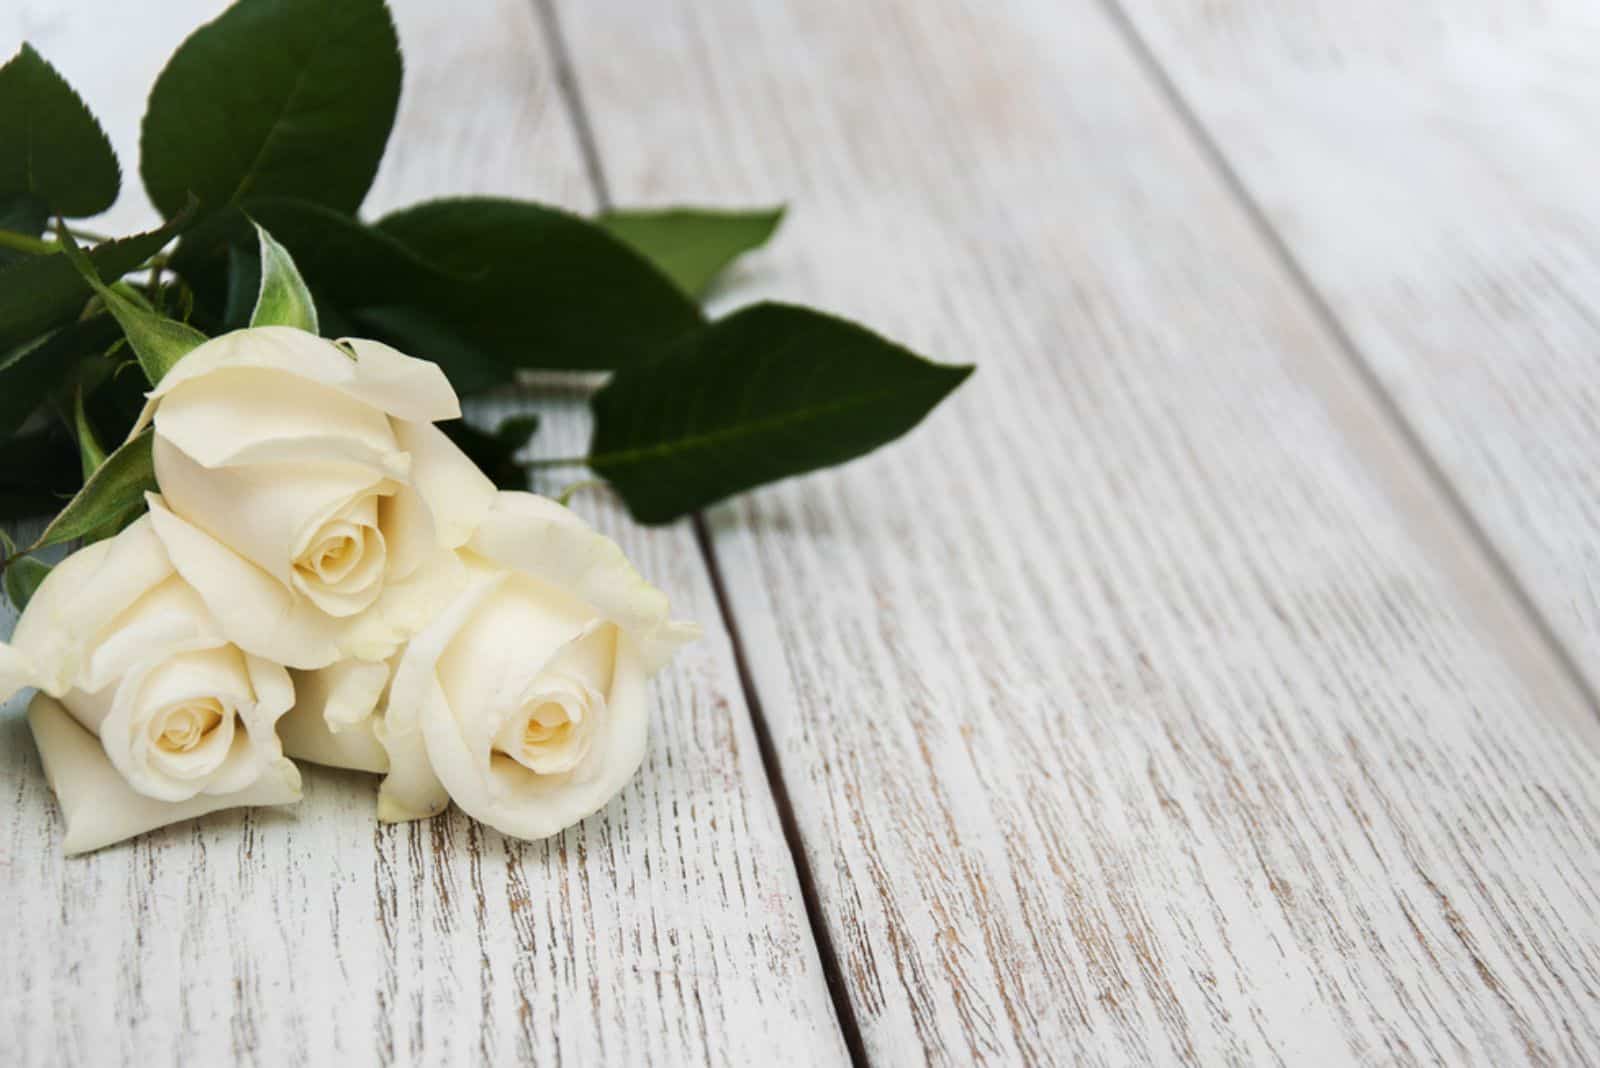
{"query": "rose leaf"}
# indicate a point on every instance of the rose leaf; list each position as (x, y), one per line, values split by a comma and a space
(274, 97)
(771, 391)
(692, 246)
(55, 151)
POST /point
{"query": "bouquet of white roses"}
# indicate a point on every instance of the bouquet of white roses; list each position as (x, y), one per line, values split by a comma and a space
(295, 551)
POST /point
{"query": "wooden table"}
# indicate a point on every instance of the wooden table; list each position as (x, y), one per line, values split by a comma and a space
(1212, 680)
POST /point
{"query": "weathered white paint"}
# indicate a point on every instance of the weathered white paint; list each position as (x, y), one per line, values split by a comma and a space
(668, 929)
(1129, 715)
(1464, 136)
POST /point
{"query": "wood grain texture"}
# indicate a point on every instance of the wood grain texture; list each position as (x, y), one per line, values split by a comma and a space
(1128, 714)
(1466, 134)
(668, 929)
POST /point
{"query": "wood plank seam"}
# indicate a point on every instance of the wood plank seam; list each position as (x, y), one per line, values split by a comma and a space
(572, 98)
(1542, 649)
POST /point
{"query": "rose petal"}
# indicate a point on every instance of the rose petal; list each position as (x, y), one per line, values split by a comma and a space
(457, 494)
(379, 376)
(250, 415)
(256, 611)
(332, 719)
(164, 678)
(540, 538)
(261, 616)
(408, 530)
(274, 695)
(16, 671)
(404, 386)
(83, 593)
(411, 790)
(547, 804)
(502, 647)
(169, 615)
(267, 514)
(98, 806)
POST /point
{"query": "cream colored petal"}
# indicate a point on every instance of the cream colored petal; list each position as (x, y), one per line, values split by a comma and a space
(274, 696)
(267, 513)
(16, 671)
(569, 691)
(411, 790)
(404, 608)
(84, 593)
(404, 386)
(379, 376)
(256, 611)
(274, 690)
(501, 648)
(538, 537)
(353, 578)
(457, 494)
(250, 415)
(260, 615)
(97, 805)
(524, 804)
(306, 737)
(407, 527)
(168, 616)
(332, 719)
(164, 678)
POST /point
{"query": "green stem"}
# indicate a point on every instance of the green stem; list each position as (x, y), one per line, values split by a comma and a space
(565, 461)
(39, 246)
(564, 498)
(34, 246)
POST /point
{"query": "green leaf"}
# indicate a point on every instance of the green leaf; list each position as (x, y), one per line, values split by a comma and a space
(515, 431)
(537, 287)
(89, 449)
(157, 341)
(21, 213)
(283, 299)
(42, 292)
(771, 391)
(29, 372)
(274, 97)
(343, 259)
(244, 287)
(692, 246)
(24, 575)
(111, 494)
(53, 148)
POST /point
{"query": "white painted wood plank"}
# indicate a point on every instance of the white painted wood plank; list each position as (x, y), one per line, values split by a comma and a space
(1430, 165)
(667, 929)
(1137, 709)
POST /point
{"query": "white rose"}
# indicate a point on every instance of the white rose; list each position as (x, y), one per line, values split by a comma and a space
(123, 649)
(306, 494)
(524, 701)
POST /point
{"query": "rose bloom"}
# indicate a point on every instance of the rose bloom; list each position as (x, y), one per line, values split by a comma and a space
(524, 701)
(122, 648)
(306, 494)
